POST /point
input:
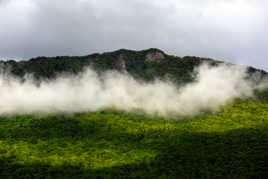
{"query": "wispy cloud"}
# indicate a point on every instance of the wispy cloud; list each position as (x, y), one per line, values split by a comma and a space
(214, 87)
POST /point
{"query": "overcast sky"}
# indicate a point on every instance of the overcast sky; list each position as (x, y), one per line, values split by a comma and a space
(231, 30)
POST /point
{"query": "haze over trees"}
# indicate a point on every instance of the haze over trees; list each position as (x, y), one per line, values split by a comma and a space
(52, 127)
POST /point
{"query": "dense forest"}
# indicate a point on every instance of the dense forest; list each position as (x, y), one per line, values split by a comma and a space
(114, 144)
(146, 65)
(111, 143)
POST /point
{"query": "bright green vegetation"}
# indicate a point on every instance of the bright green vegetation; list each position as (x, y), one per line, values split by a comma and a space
(232, 143)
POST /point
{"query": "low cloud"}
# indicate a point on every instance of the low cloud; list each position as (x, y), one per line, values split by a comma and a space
(88, 91)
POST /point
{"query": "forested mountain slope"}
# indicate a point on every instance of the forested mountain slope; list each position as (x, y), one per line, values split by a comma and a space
(230, 142)
(145, 64)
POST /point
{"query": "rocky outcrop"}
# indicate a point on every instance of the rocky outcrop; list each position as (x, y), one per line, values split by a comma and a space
(154, 56)
(120, 63)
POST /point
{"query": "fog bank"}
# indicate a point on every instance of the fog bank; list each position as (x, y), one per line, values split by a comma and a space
(88, 91)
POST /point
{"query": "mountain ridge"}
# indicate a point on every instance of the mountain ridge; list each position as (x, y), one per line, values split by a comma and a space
(145, 64)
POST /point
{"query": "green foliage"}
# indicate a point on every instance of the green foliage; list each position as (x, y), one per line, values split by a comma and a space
(232, 143)
(176, 68)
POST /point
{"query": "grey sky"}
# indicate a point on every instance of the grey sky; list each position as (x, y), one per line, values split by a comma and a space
(232, 30)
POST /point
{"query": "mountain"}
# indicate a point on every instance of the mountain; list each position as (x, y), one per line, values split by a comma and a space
(145, 64)
(231, 142)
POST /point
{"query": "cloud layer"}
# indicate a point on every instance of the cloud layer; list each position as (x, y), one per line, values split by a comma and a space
(233, 30)
(213, 88)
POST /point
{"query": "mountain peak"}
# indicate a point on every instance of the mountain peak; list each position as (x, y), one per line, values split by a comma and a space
(145, 64)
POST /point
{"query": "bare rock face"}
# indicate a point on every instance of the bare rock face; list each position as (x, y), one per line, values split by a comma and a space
(154, 56)
(120, 63)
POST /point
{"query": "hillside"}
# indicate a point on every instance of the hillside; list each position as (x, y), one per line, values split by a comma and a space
(114, 125)
(145, 65)
(112, 144)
